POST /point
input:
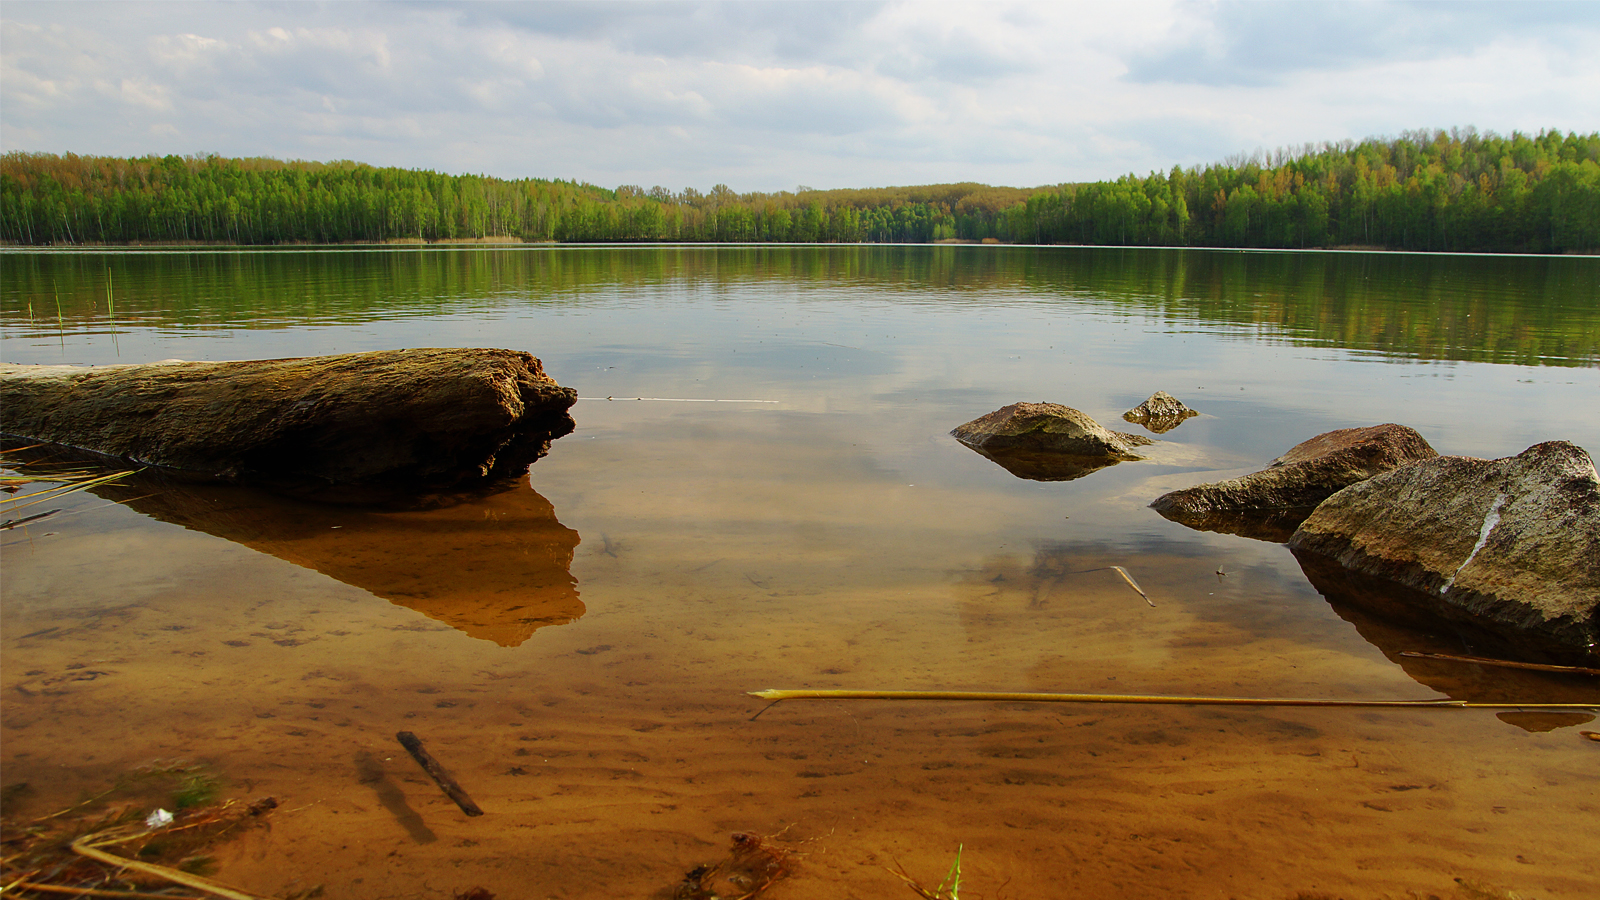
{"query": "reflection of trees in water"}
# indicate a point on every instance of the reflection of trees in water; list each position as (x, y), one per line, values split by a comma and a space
(1407, 306)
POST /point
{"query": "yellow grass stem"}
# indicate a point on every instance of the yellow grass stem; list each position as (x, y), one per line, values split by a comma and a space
(111, 310)
(85, 892)
(774, 695)
(14, 504)
(1134, 584)
(87, 846)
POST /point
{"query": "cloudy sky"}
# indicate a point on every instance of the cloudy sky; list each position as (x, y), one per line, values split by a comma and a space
(770, 95)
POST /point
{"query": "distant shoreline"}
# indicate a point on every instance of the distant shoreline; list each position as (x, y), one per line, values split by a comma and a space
(1462, 192)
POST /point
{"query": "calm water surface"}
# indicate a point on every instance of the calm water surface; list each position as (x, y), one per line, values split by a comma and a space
(576, 650)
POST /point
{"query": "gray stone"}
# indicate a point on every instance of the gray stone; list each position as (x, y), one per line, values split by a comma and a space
(1047, 441)
(1047, 427)
(1281, 495)
(1512, 543)
(418, 418)
(1161, 413)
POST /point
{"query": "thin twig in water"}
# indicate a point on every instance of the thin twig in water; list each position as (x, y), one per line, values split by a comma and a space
(57, 815)
(86, 892)
(1134, 584)
(12, 523)
(1505, 663)
(1125, 577)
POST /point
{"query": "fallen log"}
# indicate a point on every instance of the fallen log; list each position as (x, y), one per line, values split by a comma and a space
(418, 419)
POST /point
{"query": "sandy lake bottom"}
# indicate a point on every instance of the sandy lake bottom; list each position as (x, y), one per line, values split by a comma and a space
(615, 752)
(577, 649)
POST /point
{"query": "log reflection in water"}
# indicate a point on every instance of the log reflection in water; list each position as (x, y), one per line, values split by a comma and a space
(495, 566)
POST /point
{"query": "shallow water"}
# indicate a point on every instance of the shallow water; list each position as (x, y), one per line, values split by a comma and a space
(576, 649)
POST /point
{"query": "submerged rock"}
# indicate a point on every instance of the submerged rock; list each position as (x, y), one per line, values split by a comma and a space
(1269, 504)
(1512, 543)
(1047, 441)
(1161, 413)
(413, 418)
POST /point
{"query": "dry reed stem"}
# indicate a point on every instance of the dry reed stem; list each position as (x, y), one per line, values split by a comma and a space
(912, 883)
(88, 892)
(1135, 585)
(72, 487)
(774, 695)
(83, 847)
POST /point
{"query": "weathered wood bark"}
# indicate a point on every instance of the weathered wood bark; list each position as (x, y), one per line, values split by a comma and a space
(416, 418)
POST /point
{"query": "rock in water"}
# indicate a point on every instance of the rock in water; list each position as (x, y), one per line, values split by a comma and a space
(1514, 543)
(1047, 441)
(417, 418)
(1046, 427)
(1161, 413)
(1270, 503)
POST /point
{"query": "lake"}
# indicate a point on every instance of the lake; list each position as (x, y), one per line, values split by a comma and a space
(577, 650)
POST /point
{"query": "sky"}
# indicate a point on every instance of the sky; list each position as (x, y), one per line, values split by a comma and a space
(767, 96)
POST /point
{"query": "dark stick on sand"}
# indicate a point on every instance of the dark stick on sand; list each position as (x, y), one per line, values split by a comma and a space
(451, 789)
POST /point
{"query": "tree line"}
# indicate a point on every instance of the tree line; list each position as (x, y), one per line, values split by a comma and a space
(1453, 190)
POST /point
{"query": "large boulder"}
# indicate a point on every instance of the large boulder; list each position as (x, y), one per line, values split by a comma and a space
(1161, 413)
(1047, 441)
(1512, 543)
(414, 418)
(1270, 503)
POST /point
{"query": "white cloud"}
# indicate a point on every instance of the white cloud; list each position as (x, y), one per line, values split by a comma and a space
(139, 92)
(763, 96)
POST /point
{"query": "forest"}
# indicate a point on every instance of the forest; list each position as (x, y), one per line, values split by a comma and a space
(1457, 190)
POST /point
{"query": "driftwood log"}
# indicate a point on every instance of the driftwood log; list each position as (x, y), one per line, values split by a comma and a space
(417, 419)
